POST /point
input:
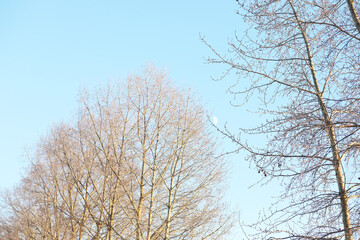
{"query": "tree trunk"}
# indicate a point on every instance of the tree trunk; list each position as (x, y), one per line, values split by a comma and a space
(354, 15)
(336, 160)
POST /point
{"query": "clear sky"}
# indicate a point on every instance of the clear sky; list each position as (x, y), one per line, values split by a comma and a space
(50, 49)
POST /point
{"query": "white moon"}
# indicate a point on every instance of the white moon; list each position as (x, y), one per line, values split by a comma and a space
(215, 120)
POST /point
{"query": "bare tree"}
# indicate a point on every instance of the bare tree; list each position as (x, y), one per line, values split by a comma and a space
(301, 58)
(139, 163)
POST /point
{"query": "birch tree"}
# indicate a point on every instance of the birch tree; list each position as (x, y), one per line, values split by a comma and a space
(301, 58)
(139, 163)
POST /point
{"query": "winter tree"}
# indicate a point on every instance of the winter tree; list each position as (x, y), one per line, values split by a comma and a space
(301, 58)
(138, 163)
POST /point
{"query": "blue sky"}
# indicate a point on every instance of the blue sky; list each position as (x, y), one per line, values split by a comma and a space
(51, 49)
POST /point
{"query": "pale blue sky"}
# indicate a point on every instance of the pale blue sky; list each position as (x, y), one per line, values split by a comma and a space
(50, 49)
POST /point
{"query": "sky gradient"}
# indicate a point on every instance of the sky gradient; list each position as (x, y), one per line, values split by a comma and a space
(52, 49)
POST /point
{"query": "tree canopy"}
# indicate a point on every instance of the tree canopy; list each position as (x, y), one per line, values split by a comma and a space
(139, 162)
(301, 59)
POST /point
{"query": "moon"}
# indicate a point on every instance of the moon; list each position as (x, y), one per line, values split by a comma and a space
(215, 120)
